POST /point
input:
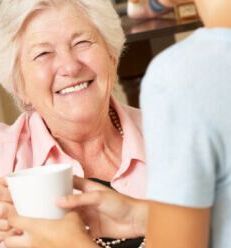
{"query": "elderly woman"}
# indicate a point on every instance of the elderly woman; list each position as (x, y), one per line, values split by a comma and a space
(59, 60)
(190, 172)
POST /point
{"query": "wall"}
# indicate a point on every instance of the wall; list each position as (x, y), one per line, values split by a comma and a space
(8, 109)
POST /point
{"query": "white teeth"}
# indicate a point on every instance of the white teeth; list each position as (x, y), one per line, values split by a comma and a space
(76, 88)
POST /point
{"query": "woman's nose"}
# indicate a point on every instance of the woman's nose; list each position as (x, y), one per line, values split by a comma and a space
(68, 65)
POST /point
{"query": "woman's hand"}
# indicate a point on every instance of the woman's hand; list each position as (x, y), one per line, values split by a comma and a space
(6, 210)
(108, 214)
(67, 232)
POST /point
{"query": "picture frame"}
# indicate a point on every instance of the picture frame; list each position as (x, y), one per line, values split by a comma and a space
(186, 11)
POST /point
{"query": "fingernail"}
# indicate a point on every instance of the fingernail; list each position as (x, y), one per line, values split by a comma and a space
(18, 232)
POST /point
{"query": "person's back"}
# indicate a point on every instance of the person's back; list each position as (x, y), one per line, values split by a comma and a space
(186, 102)
(198, 125)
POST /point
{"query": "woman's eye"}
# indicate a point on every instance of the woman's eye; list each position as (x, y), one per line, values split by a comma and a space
(83, 43)
(42, 54)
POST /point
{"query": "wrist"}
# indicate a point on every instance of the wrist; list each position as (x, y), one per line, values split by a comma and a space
(140, 217)
(84, 240)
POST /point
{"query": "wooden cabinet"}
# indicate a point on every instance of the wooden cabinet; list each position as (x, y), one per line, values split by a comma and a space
(145, 39)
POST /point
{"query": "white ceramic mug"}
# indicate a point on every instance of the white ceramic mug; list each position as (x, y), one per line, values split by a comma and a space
(35, 191)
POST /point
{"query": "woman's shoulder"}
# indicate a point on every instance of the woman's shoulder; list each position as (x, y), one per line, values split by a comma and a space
(134, 114)
(123, 109)
(10, 132)
(132, 111)
(5, 127)
(10, 136)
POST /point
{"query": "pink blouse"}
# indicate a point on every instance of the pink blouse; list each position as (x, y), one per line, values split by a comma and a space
(28, 143)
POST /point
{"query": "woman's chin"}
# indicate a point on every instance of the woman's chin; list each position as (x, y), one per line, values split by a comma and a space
(78, 117)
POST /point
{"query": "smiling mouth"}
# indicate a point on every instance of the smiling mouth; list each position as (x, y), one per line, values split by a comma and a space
(75, 88)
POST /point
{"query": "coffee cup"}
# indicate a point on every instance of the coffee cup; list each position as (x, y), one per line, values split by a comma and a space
(35, 190)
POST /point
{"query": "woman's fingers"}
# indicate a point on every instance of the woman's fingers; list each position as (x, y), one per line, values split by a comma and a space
(33, 225)
(23, 223)
(73, 201)
(9, 233)
(4, 225)
(4, 192)
(18, 241)
(5, 229)
(6, 210)
(40, 232)
(105, 202)
(3, 181)
(86, 185)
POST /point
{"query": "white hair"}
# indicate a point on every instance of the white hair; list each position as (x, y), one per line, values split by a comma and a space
(14, 13)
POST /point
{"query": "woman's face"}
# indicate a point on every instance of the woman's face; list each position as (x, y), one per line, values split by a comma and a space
(65, 65)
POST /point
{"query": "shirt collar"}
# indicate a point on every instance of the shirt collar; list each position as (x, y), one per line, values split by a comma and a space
(133, 143)
(41, 140)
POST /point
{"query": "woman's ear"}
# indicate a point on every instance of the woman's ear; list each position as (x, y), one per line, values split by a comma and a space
(114, 60)
(20, 91)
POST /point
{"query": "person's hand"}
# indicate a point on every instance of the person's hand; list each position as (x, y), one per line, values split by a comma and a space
(6, 210)
(67, 232)
(108, 213)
